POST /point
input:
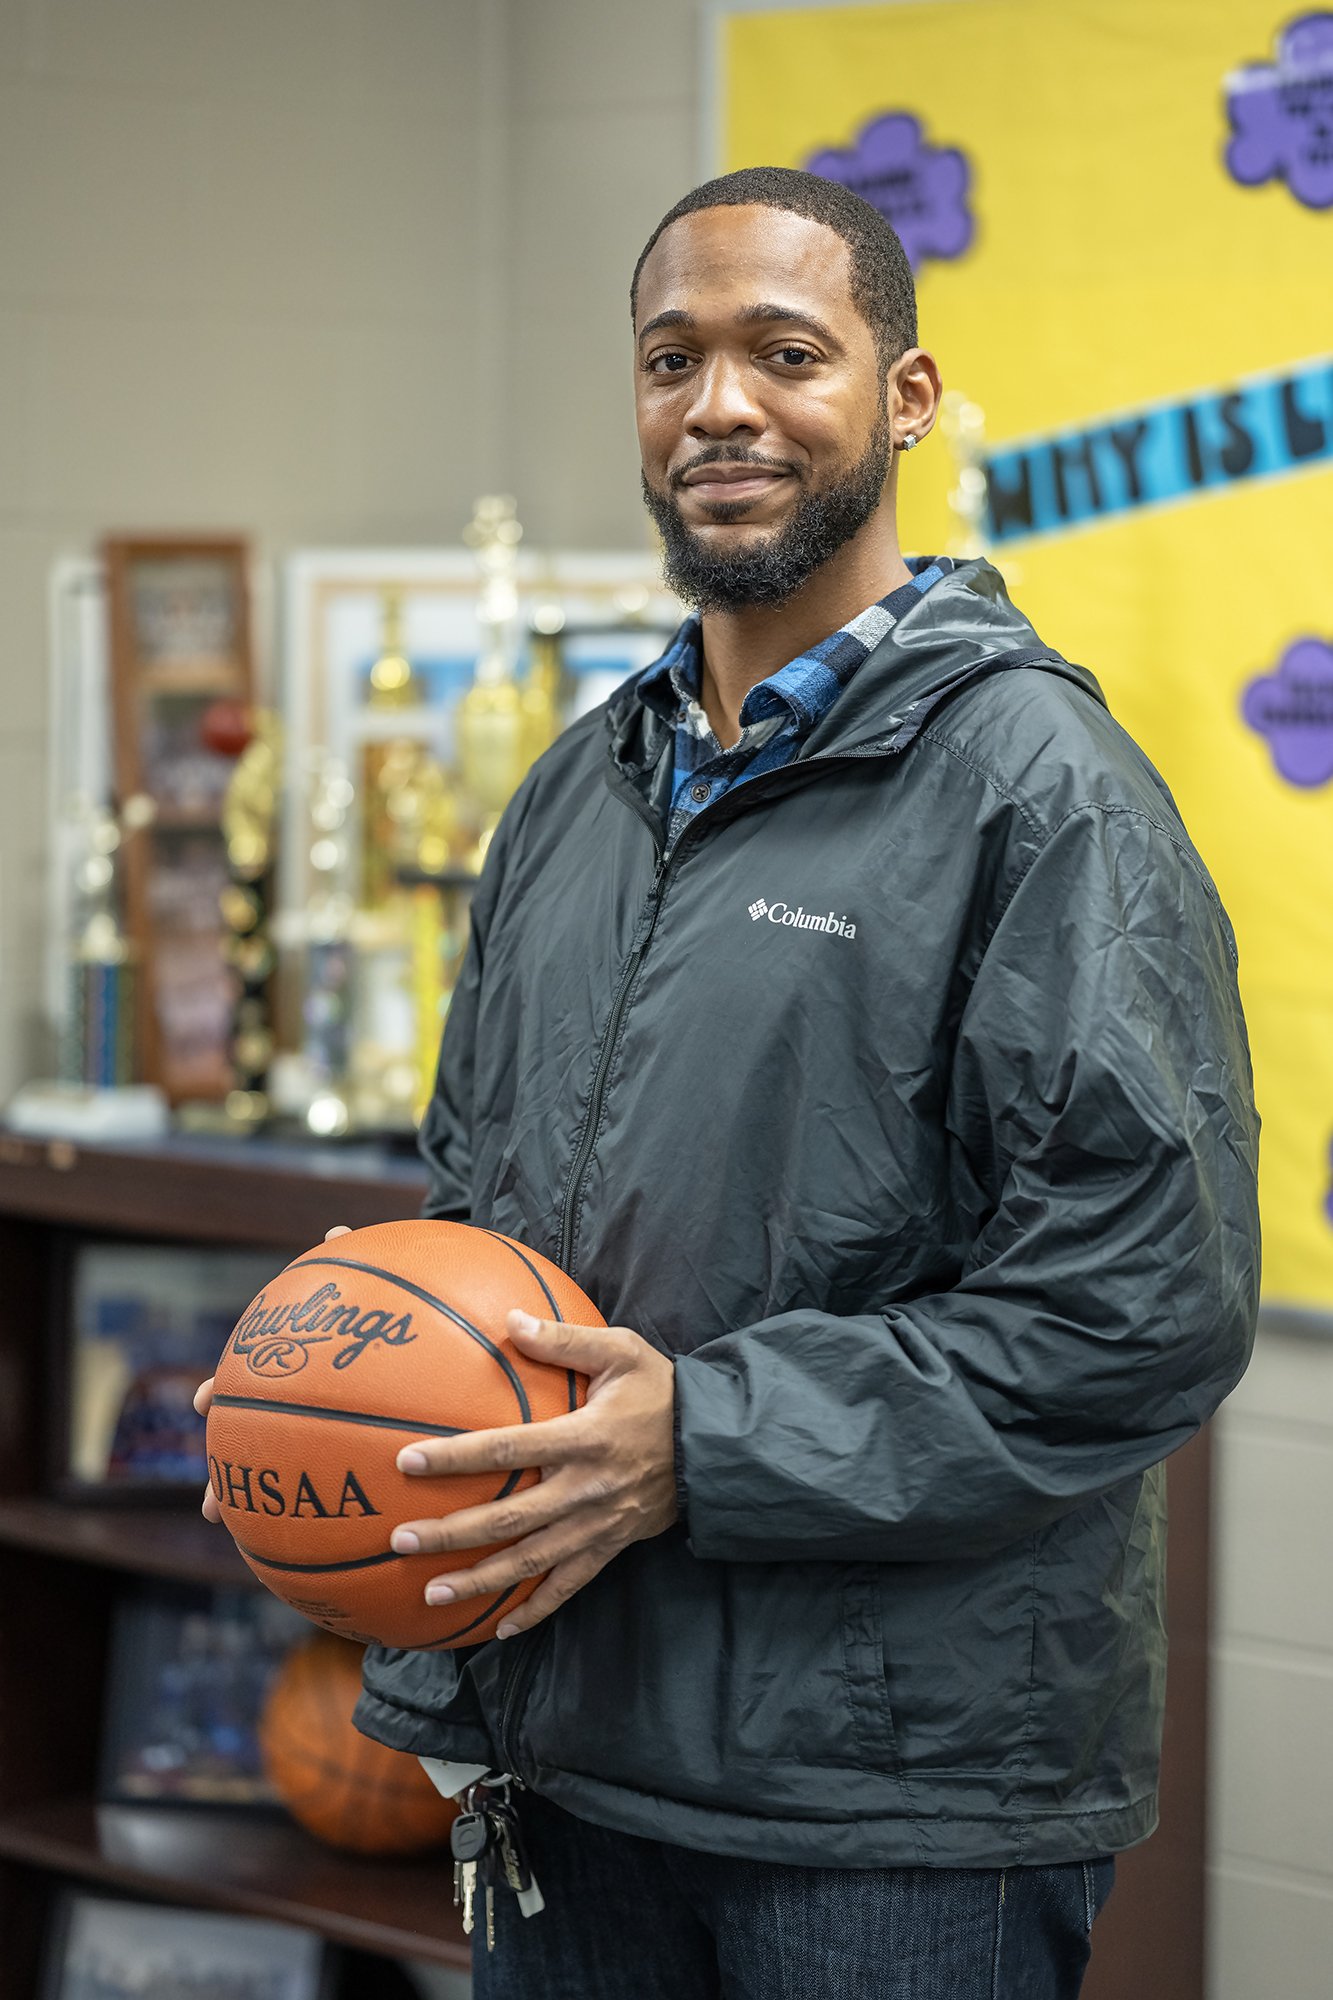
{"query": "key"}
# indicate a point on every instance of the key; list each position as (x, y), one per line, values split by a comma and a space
(469, 1840)
(512, 1855)
(487, 1866)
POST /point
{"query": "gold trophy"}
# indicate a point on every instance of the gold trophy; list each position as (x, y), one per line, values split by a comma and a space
(489, 722)
(963, 423)
(543, 695)
(249, 814)
(390, 762)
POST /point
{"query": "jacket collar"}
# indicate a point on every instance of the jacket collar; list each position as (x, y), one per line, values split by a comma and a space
(964, 628)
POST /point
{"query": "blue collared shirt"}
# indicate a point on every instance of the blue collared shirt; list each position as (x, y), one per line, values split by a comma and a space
(778, 713)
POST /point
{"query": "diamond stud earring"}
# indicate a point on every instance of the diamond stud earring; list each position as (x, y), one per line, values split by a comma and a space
(906, 444)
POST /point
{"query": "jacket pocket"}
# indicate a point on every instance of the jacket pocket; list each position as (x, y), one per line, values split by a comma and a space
(734, 1683)
(956, 1660)
(871, 1711)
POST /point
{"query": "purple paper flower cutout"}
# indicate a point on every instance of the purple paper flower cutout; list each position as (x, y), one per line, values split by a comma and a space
(1293, 708)
(920, 189)
(1282, 114)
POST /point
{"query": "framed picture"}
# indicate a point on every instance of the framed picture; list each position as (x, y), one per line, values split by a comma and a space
(110, 1950)
(137, 1327)
(179, 623)
(396, 774)
(190, 1670)
(610, 609)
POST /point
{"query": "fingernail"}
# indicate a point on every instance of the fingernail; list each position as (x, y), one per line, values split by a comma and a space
(526, 1323)
(439, 1593)
(406, 1543)
(412, 1461)
(507, 1631)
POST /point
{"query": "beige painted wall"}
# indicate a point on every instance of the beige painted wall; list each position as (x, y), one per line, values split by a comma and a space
(604, 104)
(317, 270)
(1272, 1723)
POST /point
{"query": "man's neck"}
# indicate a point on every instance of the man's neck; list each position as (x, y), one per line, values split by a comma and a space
(742, 648)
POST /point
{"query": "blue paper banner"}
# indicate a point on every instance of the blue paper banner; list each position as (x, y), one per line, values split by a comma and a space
(1256, 429)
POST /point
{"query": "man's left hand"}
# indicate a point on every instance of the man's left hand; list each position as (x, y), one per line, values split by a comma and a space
(607, 1475)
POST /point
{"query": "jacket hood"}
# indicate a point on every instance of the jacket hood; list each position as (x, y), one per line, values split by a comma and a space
(964, 628)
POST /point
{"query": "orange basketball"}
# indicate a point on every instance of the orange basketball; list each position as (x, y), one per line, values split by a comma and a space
(342, 1787)
(381, 1336)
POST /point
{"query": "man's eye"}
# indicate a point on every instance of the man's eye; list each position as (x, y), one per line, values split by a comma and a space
(669, 364)
(792, 357)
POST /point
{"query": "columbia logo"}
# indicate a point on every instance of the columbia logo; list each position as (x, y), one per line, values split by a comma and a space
(801, 919)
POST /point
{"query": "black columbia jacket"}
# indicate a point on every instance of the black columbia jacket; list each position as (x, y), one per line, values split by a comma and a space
(907, 1106)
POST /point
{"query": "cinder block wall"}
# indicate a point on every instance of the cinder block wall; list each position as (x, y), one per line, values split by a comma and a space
(237, 240)
(604, 103)
(1272, 1686)
(317, 270)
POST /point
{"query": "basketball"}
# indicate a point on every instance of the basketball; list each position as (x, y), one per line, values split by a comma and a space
(384, 1335)
(343, 1788)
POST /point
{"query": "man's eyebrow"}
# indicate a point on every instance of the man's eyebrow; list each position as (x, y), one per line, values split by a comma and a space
(760, 315)
(764, 315)
(676, 317)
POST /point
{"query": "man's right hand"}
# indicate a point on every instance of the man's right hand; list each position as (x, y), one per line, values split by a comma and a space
(203, 1395)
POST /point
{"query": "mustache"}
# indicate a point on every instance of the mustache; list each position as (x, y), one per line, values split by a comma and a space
(732, 454)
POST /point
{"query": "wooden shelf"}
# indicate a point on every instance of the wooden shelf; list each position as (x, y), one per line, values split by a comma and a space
(153, 1541)
(261, 1866)
(188, 819)
(207, 1190)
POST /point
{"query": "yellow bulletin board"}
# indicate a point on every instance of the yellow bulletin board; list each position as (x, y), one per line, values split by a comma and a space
(1121, 216)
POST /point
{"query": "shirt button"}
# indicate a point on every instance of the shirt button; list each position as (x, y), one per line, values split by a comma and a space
(700, 792)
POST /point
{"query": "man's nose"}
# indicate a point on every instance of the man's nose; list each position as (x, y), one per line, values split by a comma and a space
(724, 401)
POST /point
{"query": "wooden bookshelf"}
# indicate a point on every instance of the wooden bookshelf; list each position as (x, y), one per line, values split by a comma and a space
(260, 1865)
(63, 1564)
(148, 1541)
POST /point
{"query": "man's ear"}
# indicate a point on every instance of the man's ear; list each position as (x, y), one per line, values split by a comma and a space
(915, 389)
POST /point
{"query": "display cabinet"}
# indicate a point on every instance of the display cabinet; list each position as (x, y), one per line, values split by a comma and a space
(63, 1563)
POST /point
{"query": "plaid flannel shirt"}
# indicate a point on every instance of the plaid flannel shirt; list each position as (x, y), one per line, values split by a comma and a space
(777, 714)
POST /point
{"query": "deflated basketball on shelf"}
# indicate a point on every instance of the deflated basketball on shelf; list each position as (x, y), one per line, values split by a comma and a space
(384, 1335)
(343, 1788)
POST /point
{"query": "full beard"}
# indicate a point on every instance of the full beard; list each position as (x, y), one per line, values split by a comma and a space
(772, 570)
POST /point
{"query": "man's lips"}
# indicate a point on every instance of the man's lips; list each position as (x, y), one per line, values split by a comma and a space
(731, 481)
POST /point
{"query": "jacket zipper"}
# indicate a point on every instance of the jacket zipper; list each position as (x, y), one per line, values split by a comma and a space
(593, 1119)
(515, 1694)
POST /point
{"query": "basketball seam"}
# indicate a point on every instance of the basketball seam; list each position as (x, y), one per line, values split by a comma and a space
(452, 1638)
(339, 1416)
(317, 1569)
(368, 1562)
(571, 1379)
(429, 1299)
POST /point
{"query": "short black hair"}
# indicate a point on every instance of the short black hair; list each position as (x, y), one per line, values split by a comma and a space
(883, 290)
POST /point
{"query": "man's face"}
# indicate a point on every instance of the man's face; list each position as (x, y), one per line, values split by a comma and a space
(759, 400)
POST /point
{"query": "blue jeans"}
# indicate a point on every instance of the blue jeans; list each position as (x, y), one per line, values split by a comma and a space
(632, 1919)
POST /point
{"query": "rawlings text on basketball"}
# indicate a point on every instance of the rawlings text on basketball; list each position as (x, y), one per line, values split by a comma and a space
(275, 1339)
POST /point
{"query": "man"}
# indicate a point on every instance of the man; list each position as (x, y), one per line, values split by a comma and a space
(847, 1011)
